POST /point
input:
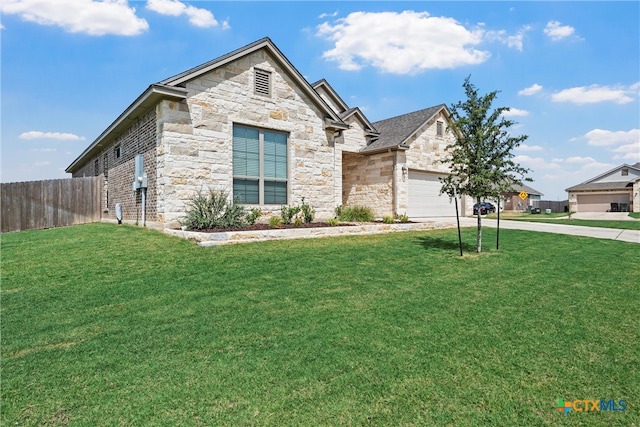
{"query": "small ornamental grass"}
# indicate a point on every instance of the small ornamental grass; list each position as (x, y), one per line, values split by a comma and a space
(213, 209)
(354, 213)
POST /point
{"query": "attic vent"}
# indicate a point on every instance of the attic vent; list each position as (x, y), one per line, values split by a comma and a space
(262, 83)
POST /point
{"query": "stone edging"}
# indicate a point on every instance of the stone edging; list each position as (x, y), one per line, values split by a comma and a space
(227, 237)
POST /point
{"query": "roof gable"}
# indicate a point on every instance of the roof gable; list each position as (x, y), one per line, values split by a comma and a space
(598, 182)
(272, 49)
(324, 86)
(396, 131)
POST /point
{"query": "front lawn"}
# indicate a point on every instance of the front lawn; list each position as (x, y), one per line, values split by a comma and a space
(117, 325)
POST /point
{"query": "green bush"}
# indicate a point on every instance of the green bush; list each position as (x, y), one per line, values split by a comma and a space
(253, 215)
(290, 213)
(402, 218)
(355, 213)
(213, 210)
(308, 213)
(388, 220)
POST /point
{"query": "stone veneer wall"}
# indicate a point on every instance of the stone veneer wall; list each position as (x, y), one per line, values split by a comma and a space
(195, 151)
(367, 181)
(139, 138)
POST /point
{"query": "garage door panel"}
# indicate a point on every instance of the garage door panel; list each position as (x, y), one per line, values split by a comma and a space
(599, 202)
(425, 199)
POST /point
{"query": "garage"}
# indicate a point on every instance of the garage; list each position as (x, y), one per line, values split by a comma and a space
(600, 202)
(425, 199)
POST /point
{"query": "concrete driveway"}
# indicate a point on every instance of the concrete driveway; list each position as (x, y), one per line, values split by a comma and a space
(632, 236)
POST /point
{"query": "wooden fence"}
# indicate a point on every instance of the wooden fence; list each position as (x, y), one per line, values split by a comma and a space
(53, 203)
(555, 206)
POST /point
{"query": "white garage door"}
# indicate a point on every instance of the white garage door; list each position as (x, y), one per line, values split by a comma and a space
(424, 196)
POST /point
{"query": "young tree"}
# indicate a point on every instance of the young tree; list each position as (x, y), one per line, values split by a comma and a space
(481, 159)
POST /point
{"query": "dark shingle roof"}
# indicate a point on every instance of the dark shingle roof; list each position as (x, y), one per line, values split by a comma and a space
(601, 186)
(396, 130)
(529, 190)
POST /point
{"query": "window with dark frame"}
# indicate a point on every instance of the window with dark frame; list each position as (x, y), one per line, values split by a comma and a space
(260, 172)
(439, 129)
(262, 84)
(96, 167)
(117, 151)
(625, 172)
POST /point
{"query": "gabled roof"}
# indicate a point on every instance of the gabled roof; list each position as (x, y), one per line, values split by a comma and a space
(591, 184)
(324, 84)
(370, 129)
(396, 131)
(173, 88)
(529, 190)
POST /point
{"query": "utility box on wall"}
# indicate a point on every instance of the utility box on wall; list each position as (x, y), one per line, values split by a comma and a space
(140, 178)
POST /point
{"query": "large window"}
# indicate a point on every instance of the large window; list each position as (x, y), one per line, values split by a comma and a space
(259, 166)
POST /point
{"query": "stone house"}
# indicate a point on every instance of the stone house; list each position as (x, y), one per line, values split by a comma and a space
(616, 190)
(248, 122)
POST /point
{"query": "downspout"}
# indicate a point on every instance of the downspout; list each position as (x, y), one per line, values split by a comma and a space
(394, 184)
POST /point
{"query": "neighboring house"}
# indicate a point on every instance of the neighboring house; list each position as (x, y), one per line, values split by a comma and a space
(614, 190)
(250, 123)
(513, 202)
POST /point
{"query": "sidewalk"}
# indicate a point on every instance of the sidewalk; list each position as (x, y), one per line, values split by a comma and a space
(632, 236)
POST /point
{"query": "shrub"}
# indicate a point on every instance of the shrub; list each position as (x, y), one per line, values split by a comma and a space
(402, 218)
(388, 220)
(253, 215)
(213, 210)
(288, 212)
(355, 213)
(308, 213)
(275, 221)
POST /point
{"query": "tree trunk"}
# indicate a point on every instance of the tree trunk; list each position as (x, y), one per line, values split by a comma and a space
(479, 235)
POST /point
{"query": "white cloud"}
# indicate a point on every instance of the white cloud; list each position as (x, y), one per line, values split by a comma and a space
(513, 41)
(596, 93)
(515, 112)
(96, 18)
(328, 15)
(602, 138)
(35, 134)
(197, 16)
(531, 90)
(630, 153)
(556, 31)
(401, 43)
(525, 147)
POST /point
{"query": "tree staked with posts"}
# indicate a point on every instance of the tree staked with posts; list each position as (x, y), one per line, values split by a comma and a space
(481, 158)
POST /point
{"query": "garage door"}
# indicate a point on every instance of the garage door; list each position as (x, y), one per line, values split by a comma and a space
(599, 202)
(424, 196)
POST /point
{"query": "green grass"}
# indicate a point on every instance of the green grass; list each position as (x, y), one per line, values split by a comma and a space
(117, 325)
(562, 219)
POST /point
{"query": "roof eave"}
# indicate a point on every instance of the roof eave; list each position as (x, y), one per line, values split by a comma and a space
(147, 100)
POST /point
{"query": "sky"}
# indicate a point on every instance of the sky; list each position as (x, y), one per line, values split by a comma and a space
(568, 71)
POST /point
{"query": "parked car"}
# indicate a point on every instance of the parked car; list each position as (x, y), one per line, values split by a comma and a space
(485, 208)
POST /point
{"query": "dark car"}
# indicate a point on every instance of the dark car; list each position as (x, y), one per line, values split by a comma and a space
(485, 208)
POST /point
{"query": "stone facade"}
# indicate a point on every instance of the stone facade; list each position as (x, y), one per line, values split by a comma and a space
(184, 129)
(195, 151)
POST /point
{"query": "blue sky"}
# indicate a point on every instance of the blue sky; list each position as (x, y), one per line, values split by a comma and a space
(569, 71)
